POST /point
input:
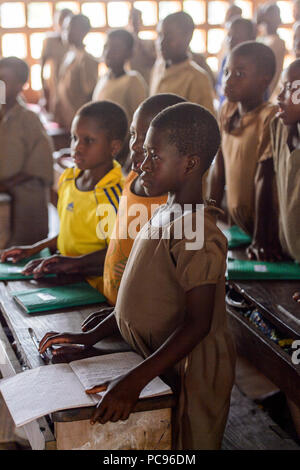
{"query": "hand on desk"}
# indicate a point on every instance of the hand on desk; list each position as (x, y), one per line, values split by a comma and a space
(17, 253)
(51, 338)
(263, 253)
(95, 318)
(296, 297)
(55, 264)
(119, 401)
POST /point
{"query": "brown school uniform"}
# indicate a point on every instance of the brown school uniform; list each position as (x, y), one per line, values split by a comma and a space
(52, 54)
(128, 91)
(151, 305)
(287, 170)
(243, 147)
(186, 79)
(26, 148)
(143, 57)
(77, 79)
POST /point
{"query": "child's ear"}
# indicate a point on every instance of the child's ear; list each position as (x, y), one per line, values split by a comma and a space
(116, 147)
(192, 164)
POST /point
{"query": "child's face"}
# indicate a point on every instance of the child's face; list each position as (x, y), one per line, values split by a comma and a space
(170, 41)
(12, 85)
(236, 35)
(90, 145)
(115, 53)
(138, 130)
(289, 97)
(163, 168)
(241, 79)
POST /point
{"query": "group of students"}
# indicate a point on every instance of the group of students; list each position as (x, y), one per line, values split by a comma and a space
(167, 301)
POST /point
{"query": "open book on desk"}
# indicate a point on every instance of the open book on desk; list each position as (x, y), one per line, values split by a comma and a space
(37, 392)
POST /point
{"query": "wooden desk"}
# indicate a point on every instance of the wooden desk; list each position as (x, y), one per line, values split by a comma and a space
(273, 299)
(148, 427)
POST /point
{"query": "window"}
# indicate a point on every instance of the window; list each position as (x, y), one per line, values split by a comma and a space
(24, 24)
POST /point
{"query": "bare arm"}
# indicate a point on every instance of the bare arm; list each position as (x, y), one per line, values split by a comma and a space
(216, 179)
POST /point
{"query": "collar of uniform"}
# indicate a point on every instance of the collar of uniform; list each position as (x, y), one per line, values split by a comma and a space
(245, 119)
(20, 104)
(177, 68)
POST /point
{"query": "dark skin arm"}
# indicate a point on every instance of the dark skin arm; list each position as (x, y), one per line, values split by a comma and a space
(90, 264)
(123, 392)
(265, 245)
(216, 182)
(17, 253)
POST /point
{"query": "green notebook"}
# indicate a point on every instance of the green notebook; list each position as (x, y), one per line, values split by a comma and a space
(236, 237)
(248, 270)
(52, 298)
(13, 271)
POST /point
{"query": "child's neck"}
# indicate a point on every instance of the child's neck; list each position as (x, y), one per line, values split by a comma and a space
(88, 179)
(190, 193)
(118, 71)
(177, 60)
(10, 103)
(136, 187)
(249, 105)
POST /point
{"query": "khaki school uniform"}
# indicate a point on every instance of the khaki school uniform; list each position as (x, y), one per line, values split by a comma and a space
(151, 305)
(128, 91)
(143, 57)
(52, 55)
(287, 169)
(77, 79)
(26, 148)
(243, 148)
(186, 79)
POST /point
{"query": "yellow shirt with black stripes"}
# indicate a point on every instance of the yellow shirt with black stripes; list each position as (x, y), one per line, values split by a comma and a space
(87, 217)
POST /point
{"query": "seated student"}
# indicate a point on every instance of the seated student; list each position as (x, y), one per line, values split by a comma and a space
(244, 160)
(171, 301)
(126, 88)
(98, 132)
(26, 168)
(54, 49)
(180, 75)
(240, 30)
(78, 72)
(286, 156)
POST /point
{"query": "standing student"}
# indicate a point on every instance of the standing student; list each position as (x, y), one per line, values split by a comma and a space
(171, 302)
(286, 156)
(54, 49)
(26, 168)
(244, 162)
(126, 88)
(98, 132)
(179, 74)
(78, 72)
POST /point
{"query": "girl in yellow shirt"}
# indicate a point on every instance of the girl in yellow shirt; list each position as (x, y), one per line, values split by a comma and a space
(98, 132)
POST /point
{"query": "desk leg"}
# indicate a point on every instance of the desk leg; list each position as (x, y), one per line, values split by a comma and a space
(148, 430)
(295, 413)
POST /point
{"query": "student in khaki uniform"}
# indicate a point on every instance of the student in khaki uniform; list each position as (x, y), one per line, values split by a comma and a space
(54, 49)
(98, 132)
(286, 155)
(179, 74)
(26, 168)
(126, 88)
(244, 161)
(78, 73)
(171, 302)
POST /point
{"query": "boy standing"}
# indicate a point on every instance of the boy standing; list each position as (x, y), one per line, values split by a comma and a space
(180, 75)
(26, 168)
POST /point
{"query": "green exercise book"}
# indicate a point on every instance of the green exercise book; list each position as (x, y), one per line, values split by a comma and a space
(236, 237)
(250, 270)
(52, 298)
(13, 271)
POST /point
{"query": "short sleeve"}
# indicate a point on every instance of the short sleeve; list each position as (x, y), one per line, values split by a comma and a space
(265, 150)
(137, 92)
(88, 74)
(199, 267)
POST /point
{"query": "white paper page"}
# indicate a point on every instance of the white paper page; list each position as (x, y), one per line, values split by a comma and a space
(97, 370)
(38, 392)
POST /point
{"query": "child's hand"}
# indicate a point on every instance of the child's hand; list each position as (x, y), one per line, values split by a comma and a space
(263, 253)
(95, 318)
(296, 297)
(119, 401)
(16, 253)
(55, 264)
(52, 338)
(31, 266)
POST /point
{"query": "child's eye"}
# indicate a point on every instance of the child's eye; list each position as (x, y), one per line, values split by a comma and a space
(239, 74)
(155, 157)
(89, 140)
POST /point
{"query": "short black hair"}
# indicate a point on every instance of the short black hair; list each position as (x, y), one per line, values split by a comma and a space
(82, 20)
(125, 36)
(156, 103)
(260, 54)
(295, 65)
(108, 115)
(248, 26)
(18, 66)
(192, 129)
(183, 21)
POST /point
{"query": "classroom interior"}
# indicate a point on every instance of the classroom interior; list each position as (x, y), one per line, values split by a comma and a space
(261, 416)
